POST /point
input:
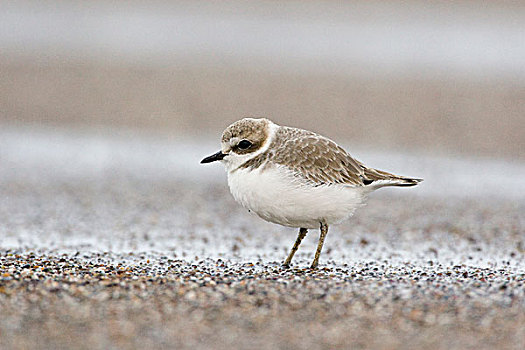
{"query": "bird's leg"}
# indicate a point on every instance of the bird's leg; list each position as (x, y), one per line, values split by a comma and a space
(302, 233)
(324, 231)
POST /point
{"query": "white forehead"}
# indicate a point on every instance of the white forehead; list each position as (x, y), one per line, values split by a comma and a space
(233, 141)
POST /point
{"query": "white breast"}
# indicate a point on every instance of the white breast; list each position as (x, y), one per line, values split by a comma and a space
(277, 196)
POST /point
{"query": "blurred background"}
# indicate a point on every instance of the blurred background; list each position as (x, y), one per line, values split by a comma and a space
(427, 77)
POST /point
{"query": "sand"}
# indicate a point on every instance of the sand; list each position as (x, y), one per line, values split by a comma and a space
(108, 258)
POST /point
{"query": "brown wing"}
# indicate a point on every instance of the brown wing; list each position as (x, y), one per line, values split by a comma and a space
(322, 162)
(315, 158)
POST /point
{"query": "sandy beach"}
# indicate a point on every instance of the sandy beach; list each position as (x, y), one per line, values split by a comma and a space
(97, 254)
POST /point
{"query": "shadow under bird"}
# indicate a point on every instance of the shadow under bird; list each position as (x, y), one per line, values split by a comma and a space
(295, 177)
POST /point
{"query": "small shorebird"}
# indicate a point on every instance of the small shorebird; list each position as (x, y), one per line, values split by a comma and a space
(295, 177)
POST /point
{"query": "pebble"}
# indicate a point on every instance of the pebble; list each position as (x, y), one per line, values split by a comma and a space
(219, 300)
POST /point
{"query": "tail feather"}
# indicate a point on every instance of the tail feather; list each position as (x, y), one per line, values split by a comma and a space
(378, 178)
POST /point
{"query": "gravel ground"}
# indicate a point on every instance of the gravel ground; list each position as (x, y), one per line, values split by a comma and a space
(100, 258)
(152, 301)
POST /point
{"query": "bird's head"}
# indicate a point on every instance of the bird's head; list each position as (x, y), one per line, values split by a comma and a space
(242, 141)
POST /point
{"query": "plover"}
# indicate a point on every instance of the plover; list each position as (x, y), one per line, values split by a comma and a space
(295, 177)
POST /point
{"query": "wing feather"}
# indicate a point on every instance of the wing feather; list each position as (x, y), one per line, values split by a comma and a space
(320, 161)
(315, 158)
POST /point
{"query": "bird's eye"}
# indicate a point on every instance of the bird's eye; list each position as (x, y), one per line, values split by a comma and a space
(244, 144)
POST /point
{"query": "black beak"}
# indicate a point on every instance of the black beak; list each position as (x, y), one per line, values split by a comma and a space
(217, 156)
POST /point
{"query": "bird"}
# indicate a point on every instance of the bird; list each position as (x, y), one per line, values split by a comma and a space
(296, 178)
